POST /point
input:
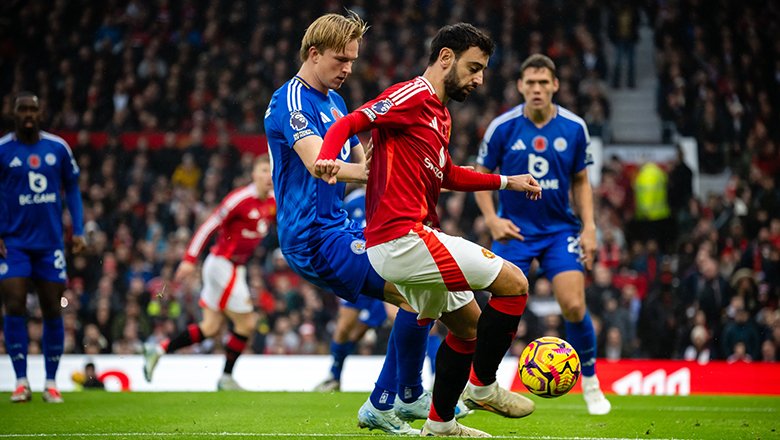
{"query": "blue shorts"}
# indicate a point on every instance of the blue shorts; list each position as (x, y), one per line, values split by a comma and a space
(337, 261)
(372, 311)
(557, 252)
(46, 264)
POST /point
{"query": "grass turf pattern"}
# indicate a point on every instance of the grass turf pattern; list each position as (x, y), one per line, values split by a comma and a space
(97, 415)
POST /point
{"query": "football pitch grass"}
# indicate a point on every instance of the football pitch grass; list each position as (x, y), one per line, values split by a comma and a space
(168, 415)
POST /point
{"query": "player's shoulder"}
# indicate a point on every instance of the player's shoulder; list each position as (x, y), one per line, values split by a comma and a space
(571, 118)
(6, 139)
(503, 121)
(53, 139)
(239, 195)
(415, 88)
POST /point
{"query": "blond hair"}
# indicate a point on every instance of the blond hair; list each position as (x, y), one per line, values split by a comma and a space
(332, 31)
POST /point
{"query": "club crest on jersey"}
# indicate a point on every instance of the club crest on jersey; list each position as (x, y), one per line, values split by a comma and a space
(3, 268)
(382, 107)
(34, 161)
(488, 254)
(358, 247)
(540, 144)
(560, 144)
(50, 159)
(298, 121)
(336, 113)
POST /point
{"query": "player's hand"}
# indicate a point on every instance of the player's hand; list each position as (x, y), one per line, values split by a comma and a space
(503, 230)
(588, 245)
(525, 183)
(3, 251)
(184, 271)
(79, 244)
(326, 169)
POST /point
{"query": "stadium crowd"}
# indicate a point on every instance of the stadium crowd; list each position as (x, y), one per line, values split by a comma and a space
(707, 290)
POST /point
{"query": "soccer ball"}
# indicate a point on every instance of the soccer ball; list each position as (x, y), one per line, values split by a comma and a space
(549, 367)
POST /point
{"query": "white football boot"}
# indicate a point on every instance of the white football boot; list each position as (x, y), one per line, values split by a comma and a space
(386, 421)
(598, 405)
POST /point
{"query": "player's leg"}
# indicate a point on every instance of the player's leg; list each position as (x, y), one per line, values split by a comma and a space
(561, 263)
(243, 327)
(219, 276)
(401, 372)
(339, 263)
(495, 332)
(14, 292)
(569, 290)
(50, 296)
(342, 344)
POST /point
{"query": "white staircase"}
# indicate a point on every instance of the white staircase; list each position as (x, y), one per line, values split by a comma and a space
(634, 118)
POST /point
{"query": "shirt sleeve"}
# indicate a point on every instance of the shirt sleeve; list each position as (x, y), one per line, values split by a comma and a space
(458, 178)
(297, 124)
(583, 156)
(70, 178)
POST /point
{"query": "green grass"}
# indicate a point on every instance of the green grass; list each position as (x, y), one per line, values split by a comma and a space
(311, 415)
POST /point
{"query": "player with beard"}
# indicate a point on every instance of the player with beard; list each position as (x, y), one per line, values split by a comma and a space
(437, 273)
(35, 166)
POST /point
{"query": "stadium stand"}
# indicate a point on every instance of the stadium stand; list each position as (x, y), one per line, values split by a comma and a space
(164, 103)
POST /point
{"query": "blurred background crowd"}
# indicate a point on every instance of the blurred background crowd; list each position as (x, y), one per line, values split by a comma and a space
(707, 287)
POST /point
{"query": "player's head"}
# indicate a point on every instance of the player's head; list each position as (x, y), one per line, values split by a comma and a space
(27, 113)
(331, 45)
(261, 174)
(463, 52)
(538, 82)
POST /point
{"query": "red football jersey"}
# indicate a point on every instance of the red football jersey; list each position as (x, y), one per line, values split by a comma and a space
(242, 218)
(411, 131)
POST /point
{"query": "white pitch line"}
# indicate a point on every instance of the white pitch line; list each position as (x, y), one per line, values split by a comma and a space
(675, 409)
(269, 434)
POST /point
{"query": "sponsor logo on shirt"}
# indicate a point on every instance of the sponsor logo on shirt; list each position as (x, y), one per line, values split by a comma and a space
(539, 143)
(38, 182)
(358, 247)
(3, 268)
(15, 162)
(34, 161)
(437, 170)
(560, 144)
(519, 145)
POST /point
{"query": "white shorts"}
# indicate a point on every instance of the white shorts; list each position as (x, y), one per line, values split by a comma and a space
(225, 286)
(435, 272)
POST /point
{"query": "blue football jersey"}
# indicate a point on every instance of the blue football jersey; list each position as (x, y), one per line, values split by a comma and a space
(305, 206)
(32, 178)
(552, 154)
(355, 205)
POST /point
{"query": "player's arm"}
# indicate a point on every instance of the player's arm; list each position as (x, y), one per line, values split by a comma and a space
(309, 147)
(327, 167)
(73, 201)
(199, 240)
(501, 229)
(583, 203)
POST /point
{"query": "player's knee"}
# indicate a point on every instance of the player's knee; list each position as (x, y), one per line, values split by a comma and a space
(209, 328)
(519, 281)
(573, 310)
